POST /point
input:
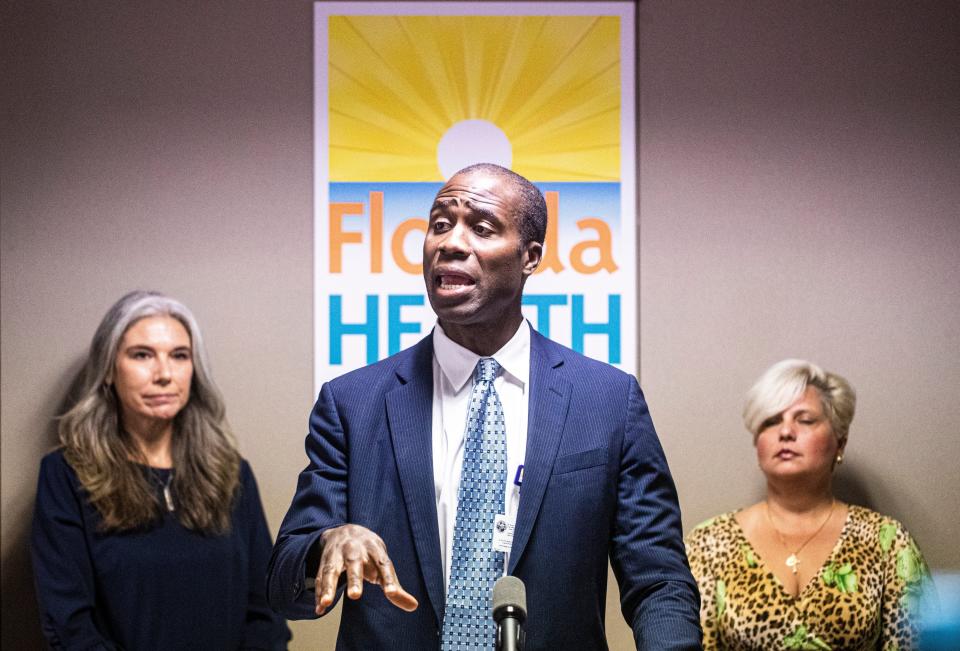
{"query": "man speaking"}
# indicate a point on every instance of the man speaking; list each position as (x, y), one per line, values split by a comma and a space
(484, 450)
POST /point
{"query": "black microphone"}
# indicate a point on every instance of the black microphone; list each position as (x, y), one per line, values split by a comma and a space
(510, 612)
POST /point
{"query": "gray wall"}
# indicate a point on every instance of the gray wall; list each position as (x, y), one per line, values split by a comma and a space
(799, 167)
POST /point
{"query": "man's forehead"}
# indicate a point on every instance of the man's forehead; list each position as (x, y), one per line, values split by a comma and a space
(475, 188)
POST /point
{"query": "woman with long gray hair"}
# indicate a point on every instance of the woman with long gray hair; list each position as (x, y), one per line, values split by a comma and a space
(148, 531)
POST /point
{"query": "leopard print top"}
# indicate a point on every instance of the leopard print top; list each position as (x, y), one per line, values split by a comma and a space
(866, 596)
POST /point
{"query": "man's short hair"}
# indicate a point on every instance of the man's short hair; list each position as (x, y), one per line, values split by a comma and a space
(532, 209)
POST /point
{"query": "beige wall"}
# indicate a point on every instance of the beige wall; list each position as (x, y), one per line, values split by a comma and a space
(799, 167)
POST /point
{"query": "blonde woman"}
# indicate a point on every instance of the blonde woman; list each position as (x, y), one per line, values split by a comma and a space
(148, 531)
(801, 569)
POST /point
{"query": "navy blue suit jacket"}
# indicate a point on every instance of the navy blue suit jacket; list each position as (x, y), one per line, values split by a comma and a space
(596, 486)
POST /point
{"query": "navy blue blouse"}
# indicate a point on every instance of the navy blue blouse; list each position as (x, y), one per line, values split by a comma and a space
(165, 587)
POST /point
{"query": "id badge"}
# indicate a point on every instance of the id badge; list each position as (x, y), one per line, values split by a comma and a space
(503, 533)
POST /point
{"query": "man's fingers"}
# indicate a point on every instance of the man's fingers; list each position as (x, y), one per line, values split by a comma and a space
(354, 578)
(326, 587)
(391, 587)
(400, 597)
(386, 575)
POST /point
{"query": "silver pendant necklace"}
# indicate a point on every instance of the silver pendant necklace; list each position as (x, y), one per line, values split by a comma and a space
(165, 486)
(167, 495)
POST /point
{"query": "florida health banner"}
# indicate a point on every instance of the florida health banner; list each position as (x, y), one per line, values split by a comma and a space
(408, 93)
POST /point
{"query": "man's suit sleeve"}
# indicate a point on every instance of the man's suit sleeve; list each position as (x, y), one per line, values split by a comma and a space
(658, 595)
(320, 503)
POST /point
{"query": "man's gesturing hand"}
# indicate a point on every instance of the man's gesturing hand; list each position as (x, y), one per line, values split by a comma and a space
(363, 556)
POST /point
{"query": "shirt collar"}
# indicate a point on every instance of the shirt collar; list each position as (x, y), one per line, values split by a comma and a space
(458, 363)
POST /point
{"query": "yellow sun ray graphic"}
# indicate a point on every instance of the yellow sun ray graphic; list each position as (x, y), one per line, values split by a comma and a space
(544, 92)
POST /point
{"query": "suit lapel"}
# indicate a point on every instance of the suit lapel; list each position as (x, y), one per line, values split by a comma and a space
(548, 403)
(410, 418)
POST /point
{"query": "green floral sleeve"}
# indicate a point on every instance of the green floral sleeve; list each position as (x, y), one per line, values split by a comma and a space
(698, 543)
(907, 587)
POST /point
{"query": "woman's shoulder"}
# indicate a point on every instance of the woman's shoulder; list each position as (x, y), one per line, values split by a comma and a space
(58, 481)
(870, 527)
(54, 465)
(248, 507)
(247, 482)
(868, 519)
(719, 526)
(54, 457)
(714, 542)
(247, 475)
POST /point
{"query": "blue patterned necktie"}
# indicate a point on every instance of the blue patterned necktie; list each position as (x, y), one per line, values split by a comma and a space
(467, 622)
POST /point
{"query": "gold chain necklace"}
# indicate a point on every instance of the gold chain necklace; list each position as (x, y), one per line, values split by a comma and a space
(793, 560)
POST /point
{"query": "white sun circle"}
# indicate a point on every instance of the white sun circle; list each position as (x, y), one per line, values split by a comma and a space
(472, 141)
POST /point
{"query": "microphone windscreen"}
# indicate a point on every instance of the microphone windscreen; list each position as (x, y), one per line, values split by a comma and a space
(509, 591)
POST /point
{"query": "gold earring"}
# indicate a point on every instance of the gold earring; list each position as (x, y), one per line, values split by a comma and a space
(840, 458)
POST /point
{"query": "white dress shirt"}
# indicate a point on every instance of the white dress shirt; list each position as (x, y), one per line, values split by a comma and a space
(453, 367)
